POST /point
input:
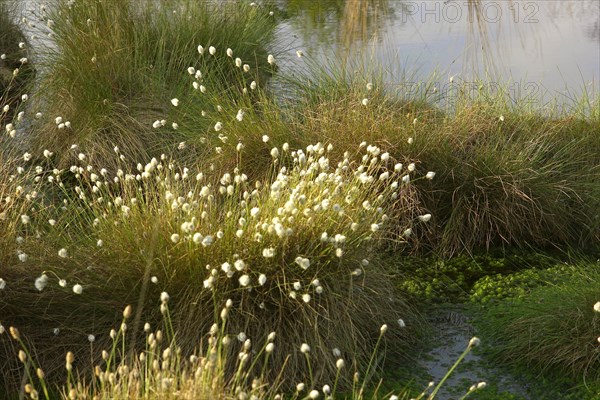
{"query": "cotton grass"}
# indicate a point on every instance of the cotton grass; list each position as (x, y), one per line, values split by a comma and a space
(284, 250)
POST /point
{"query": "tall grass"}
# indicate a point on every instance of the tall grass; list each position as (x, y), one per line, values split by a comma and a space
(296, 253)
(508, 173)
(113, 64)
(16, 68)
(161, 371)
(281, 197)
(552, 328)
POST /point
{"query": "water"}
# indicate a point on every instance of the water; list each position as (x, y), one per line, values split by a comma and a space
(544, 49)
(533, 47)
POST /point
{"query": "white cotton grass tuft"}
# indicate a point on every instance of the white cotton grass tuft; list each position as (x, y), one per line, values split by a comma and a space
(262, 279)
(239, 265)
(244, 280)
(77, 289)
(424, 218)
(268, 252)
(240, 115)
(164, 297)
(269, 348)
(304, 263)
(41, 282)
(305, 348)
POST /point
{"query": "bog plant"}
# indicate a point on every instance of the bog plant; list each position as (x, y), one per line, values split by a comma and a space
(111, 65)
(493, 288)
(507, 174)
(552, 327)
(297, 251)
(477, 277)
(16, 70)
(236, 208)
(161, 371)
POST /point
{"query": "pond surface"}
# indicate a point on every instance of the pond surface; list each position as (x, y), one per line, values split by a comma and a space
(547, 49)
(541, 47)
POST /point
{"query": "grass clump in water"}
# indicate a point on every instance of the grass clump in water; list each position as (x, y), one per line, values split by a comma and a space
(113, 63)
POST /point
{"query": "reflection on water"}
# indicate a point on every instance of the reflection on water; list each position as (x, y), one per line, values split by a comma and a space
(547, 44)
(340, 24)
(553, 43)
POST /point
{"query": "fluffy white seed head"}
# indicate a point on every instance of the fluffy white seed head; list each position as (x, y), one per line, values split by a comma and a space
(305, 348)
(424, 218)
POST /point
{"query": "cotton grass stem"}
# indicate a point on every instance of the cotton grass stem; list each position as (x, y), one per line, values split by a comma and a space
(472, 344)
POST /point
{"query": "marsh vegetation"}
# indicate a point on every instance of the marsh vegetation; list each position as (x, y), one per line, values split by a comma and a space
(184, 216)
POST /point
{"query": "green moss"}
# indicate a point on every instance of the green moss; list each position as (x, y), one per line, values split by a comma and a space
(453, 280)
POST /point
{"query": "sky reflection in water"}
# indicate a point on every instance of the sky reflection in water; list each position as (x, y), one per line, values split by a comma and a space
(537, 45)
